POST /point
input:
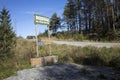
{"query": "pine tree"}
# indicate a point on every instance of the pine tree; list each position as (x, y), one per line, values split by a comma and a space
(70, 16)
(54, 23)
(7, 36)
(99, 17)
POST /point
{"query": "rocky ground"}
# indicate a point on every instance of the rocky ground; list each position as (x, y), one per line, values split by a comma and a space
(67, 72)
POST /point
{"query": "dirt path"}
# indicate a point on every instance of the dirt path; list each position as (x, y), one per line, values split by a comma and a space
(83, 44)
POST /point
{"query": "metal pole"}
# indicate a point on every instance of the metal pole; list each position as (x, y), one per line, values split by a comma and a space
(49, 39)
(36, 33)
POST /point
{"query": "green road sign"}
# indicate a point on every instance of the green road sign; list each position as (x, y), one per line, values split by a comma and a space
(38, 19)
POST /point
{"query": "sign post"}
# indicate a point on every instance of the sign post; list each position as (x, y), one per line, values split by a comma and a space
(49, 39)
(36, 34)
(46, 59)
(38, 19)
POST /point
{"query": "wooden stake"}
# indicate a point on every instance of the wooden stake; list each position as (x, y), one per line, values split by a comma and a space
(36, 33)
(49, 40)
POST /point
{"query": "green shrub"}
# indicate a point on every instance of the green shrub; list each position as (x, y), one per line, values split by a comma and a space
(59, 36)
(88, 55)
(115, 62)
(79, 37)
(25, 48)
(21, 60)
(6, 68)
(11, 66)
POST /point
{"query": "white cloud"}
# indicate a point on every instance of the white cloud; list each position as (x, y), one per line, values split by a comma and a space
(46, 11)
(31, 12)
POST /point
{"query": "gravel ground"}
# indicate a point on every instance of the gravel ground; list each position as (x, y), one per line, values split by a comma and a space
(83, 44)
(67, 72)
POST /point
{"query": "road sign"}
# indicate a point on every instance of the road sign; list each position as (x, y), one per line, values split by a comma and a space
(38, 19)
(40, 43)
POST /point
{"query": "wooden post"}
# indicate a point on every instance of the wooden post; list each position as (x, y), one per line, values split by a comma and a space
(49, 40)
(36, 31)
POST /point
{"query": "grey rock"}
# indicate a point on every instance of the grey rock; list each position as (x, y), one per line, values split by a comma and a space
(66, 72)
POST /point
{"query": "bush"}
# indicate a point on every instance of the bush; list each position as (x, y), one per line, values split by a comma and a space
(69, 35)
(79, 37)
(115, 62)
(88, 55)
(23, 52)
(7, 68)
(25, 49)
(11, 66)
